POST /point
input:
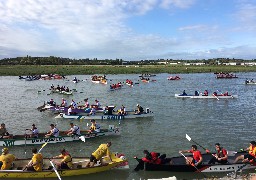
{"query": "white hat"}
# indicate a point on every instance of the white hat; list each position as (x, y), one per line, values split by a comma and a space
(137, 104)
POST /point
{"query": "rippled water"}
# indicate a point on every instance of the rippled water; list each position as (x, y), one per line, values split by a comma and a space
(230, 122)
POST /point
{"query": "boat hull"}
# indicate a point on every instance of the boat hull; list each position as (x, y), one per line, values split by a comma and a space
(206, 97)
(105, 117)
(19, 140)
(177, 164)
(78, 168)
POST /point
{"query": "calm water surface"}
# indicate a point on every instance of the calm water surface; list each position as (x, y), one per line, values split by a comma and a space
(230, 122)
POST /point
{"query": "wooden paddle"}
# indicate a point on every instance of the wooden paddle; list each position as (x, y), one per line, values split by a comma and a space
(189, 139)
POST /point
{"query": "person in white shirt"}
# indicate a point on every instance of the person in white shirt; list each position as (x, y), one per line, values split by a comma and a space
(70, 110)
(97, 104)
(74, 130)
(34, 131)
(54, 132)
(73, 103)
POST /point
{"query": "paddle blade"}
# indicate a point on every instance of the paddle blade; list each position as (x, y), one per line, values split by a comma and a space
(82, 138)
(188, 138)
(55, 170)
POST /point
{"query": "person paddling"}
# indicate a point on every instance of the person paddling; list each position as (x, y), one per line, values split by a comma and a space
(103, 150)
(36, 163)
(221, 155)
(197, 156)
(250, 157)
(66, 162)
(6, 159)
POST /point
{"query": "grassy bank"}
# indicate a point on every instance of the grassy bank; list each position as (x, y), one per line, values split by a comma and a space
(83, 70)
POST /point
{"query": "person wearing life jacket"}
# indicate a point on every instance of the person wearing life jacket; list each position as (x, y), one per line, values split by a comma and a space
(66, 162)
(95, 127)
(221, 155)
(250, 157)
(197, 156)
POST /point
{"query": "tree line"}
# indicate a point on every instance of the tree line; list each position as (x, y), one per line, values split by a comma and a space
(52, 60)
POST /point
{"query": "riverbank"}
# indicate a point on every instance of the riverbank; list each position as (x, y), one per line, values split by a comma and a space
(21, 70)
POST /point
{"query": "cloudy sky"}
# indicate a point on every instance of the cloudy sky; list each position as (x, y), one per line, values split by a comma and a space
(128, 29)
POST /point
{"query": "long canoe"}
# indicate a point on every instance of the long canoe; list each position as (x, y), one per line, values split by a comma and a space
(77, 169)
(178, 164)
(101, 116)
(206, 97)
(22, 140)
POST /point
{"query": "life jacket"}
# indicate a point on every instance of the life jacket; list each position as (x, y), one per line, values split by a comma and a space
(252, 150)
(220, 153)
(155, 158)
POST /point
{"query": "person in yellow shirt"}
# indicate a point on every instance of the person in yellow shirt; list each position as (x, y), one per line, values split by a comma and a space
(36, 163)
(6, 159)
(103, 150)
(250, 157)
(66, 162)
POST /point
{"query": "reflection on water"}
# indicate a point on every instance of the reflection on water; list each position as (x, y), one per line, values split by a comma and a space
(229, 122)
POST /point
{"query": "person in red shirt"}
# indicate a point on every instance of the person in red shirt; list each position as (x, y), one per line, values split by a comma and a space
(221, 155)
(197, 156)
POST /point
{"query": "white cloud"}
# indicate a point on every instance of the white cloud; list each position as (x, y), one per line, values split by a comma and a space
(177, 3)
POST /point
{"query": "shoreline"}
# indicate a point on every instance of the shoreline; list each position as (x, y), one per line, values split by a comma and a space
(23, 70)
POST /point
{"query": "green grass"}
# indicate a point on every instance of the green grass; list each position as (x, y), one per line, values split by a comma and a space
(22, 70)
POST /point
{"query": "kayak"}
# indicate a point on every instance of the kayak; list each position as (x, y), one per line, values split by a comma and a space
(78, 168)
(18, 140)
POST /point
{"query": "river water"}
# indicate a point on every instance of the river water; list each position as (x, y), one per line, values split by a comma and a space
(230, 122)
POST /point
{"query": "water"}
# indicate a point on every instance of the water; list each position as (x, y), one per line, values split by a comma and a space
(207, 121)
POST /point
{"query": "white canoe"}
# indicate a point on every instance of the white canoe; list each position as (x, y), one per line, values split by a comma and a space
(100, 116)
(206, 97)
(20, 139)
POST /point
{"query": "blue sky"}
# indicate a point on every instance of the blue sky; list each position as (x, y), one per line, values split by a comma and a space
(128, 29)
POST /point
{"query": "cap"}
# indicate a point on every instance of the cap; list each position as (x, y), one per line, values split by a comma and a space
(4, 150)
(33, 125)
(137, 104)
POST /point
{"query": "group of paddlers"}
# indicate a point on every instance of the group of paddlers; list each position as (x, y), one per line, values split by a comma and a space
(206, 93)
(65, 162)
(58, 88)
(220, 156)
(116, 86)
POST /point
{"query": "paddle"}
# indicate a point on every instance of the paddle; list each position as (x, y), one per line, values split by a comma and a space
(37, 152)
(192, 164)
(216, 97)
(58, 175)
(189, 139)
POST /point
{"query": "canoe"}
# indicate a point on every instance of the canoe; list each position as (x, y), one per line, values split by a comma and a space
(77, 169)
(250, 83)
(101, 116)
(178, 164)
(206, 97)
(62, 92)
(18, 140)
(59, 109)
(173, 78)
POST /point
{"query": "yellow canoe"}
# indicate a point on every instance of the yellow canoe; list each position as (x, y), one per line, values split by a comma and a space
(78, 168)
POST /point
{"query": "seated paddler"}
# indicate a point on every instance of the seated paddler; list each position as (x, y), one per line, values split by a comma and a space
(36, 163)
(66, 160)
(197, 156)
(6, 159)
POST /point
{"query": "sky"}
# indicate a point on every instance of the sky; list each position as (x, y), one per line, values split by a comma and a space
(128, 29)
